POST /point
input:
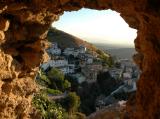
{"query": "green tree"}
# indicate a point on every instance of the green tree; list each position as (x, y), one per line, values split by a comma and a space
(106, 59)
(48, 109)
(107, 83)
(73, 81)
(118, 65)
(110, 61)
(42, 79)
(53, 92)
(55, 73)
(88, 94)
(72, 102)
(66, 84)
(57, 79)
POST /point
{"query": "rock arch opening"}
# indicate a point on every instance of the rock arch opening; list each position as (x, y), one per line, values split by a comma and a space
(29, 21)
(89, 26)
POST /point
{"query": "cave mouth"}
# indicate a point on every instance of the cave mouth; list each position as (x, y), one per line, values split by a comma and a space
(80, 25)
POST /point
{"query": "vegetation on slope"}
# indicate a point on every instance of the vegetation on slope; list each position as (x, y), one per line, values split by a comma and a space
(48, 109)
(53, 101)
(61, 97)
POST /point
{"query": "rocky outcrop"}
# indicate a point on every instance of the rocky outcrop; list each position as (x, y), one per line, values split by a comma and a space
(23, 29)
(22, 43)
(113, 111)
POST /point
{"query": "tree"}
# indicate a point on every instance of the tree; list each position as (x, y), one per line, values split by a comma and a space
(48, 109)
(57, 79)
(72, 102)
(73, 81)
(88, 94)
(55, 73)
(107, 83)
(110, 61)
(117, 64)
(66, 84)
(42, 79)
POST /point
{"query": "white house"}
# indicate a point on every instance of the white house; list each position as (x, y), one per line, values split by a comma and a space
(45, 66)
(126, 63)
(54, 63)
(90, 72)
(71, 68)
(54, 50)
(127, 75)
(89, 55)
(129, 69)
(74, 52)
(115, 73)
(61, 65)
(89, 60)
(79, 77)
(130, 85)
(58, 63)
(64, 69)
(82, 49)
(68, 51)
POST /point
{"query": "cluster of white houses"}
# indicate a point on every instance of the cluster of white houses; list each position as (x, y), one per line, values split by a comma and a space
(60, 64)
(128, 72)
(75, 51)
(54, 50)
(89, 70)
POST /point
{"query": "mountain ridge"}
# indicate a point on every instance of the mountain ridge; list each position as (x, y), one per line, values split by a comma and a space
(55, 35)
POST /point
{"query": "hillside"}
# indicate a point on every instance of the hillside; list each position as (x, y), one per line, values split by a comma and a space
(67, 40)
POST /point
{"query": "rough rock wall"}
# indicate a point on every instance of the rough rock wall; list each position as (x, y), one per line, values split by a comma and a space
(23, 28)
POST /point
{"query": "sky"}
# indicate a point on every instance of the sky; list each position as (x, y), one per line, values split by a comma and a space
(95, 26)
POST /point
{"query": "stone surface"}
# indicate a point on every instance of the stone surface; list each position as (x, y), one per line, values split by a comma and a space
(113, 111)
(4, 24)
(23, 28)
(2, 36)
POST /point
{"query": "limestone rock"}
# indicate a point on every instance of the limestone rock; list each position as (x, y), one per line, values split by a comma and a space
(62, 2)
(2, 36)
(4, 24)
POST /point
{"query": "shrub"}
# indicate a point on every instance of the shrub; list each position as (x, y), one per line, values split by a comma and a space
(47, 109)
(56, 74)
(53, 92)
(42, 79)
(71, 102)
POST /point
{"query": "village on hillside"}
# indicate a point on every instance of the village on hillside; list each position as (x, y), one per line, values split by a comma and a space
(84, 65)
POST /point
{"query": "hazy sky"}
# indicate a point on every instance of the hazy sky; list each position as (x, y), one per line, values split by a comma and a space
(94, 26)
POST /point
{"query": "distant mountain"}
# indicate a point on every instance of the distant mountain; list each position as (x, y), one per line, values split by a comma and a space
(117, 50)
(122, 52)
(105, 46)
(67, 40)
